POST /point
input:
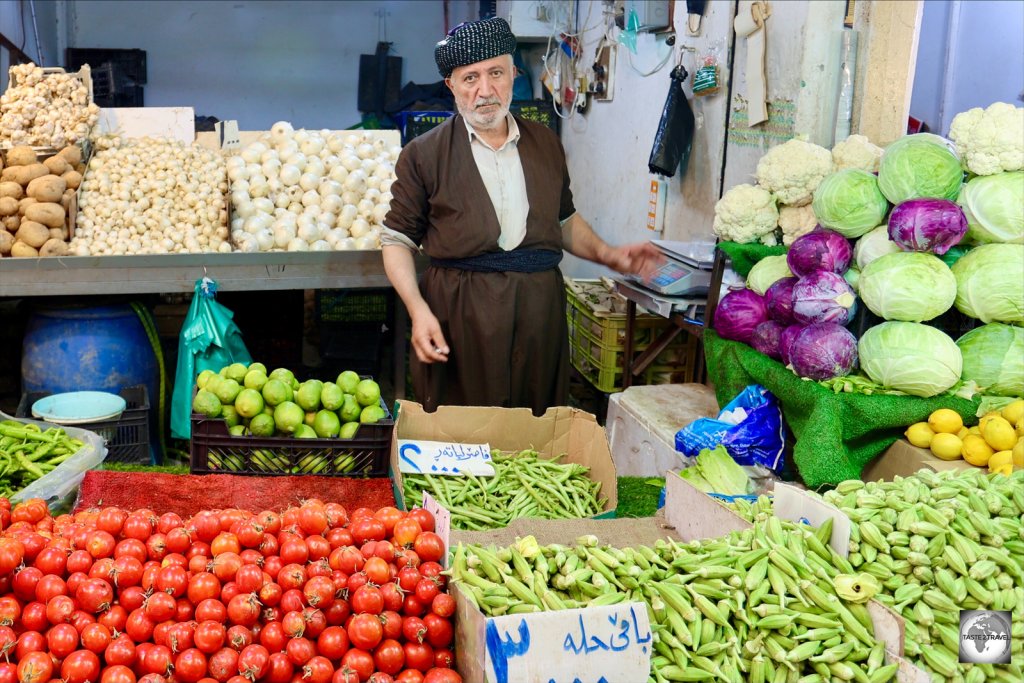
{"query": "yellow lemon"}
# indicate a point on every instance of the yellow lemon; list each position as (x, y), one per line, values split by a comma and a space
(919, 434)
(976, 450)
(974, 430)
(999, 460)
(985, 418)
(1014, 411)
(945, 421)
(946, 446)
(963, 432)
(1020, 427)
(999, 434)
(1018, 453)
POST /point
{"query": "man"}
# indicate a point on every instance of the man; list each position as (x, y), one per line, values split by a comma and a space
(486, 195)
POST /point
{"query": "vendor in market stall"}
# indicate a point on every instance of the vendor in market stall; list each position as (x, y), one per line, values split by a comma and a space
(486, 195)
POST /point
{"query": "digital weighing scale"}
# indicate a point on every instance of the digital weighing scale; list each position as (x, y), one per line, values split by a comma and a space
(686, 271)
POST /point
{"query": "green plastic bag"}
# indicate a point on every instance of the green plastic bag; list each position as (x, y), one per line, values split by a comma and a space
(209, 340)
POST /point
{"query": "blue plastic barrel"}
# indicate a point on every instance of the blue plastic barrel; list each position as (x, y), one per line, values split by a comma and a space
(75, 348)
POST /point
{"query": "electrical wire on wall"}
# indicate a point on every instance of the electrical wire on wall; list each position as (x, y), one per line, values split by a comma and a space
(563, 76)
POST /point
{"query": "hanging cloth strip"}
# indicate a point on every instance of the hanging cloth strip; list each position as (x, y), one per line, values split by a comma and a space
(750, 24)
(694, 15)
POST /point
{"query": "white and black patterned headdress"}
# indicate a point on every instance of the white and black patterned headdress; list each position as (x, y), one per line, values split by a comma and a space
(472, 42)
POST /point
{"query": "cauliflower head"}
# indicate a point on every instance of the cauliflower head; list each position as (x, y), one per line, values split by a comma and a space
(857, 151)
(745, 213)
(796, 221)
(991, 140)
(793, 170)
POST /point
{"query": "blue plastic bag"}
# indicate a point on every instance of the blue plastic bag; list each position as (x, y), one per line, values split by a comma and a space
(750, 427)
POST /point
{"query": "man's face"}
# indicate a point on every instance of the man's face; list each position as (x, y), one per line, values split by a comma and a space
(483, 91)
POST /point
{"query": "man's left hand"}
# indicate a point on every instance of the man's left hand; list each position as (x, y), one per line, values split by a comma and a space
(642, 259)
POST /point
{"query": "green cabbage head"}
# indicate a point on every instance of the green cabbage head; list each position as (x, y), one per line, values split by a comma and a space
(922, 165)
(990, 283)
(994, 359)
(907, 285)
(849, 202)
(766, 271)
(994, 207)
(916, 359)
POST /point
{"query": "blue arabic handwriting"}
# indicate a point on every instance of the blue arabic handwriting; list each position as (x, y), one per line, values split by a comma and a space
(501, 650)
(461, 452)
(579, 642)
(409, 448)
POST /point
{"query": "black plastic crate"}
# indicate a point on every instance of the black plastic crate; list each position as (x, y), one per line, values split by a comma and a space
(215, 451)
(952, 322)
(538, 111)
(355, 346)
(127, 436)
(355, 306)
(131, 61)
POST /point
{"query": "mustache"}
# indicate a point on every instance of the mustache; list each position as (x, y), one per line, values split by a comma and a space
(486, 101)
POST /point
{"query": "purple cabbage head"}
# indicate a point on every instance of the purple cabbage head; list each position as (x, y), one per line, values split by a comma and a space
(819, 250)
(823, 297)
(738, 313)
(823, 351)
(932, 225)
(779, 300)
(766, 338)
(786, 342)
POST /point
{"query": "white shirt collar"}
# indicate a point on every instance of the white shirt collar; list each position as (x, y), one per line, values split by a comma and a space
(513, 131)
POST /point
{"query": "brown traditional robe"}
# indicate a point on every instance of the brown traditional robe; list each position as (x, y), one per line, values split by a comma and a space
(506, 331)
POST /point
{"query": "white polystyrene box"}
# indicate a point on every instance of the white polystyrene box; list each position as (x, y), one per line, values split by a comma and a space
(642, 423)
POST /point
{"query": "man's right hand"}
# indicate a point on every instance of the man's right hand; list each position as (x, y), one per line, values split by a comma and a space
(427, 339)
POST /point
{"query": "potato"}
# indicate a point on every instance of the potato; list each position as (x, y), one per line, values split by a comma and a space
(8, 206)
(11, 224)
(71, 154)
(73, 179)
(11, 189)
(49, 214)
(22, 249)
(57, 165)
(54, 247)
(23, 175)
(33, 234)
(56, 233)
(6, 242)
(25, 203)
(22, 155)
(80, 168)
(48, 188)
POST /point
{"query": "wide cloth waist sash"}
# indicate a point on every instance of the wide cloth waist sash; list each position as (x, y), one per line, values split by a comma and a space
(516, 260)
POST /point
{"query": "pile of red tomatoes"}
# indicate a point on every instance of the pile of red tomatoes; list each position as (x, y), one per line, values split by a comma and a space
(308, 595)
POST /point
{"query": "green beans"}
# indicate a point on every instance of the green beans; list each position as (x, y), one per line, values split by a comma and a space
(28, 453)
(700, 597)
(523, 485)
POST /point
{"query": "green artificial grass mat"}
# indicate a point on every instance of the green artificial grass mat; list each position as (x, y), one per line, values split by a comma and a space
(638, 496)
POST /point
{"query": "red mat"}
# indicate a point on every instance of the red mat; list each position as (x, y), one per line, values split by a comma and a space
(188, 494)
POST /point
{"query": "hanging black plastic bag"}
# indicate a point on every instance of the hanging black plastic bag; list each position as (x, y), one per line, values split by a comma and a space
(674, 138)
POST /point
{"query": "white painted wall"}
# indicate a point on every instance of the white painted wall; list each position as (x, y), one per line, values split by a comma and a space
(16, 25)
(983, 41)
(926, 100)
(260, 62)
(608, 147)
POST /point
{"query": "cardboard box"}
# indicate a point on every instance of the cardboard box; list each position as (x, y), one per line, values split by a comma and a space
(902, 459)
(534, 644)
(558, 431)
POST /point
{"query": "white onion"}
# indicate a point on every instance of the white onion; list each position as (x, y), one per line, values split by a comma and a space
(298, 244)
(331, 203)
(290, 174)
(265, 239)
(309, 232)
(280, 131)
(309, 181)
(359, 227)
(320, 245)
(346, 244)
